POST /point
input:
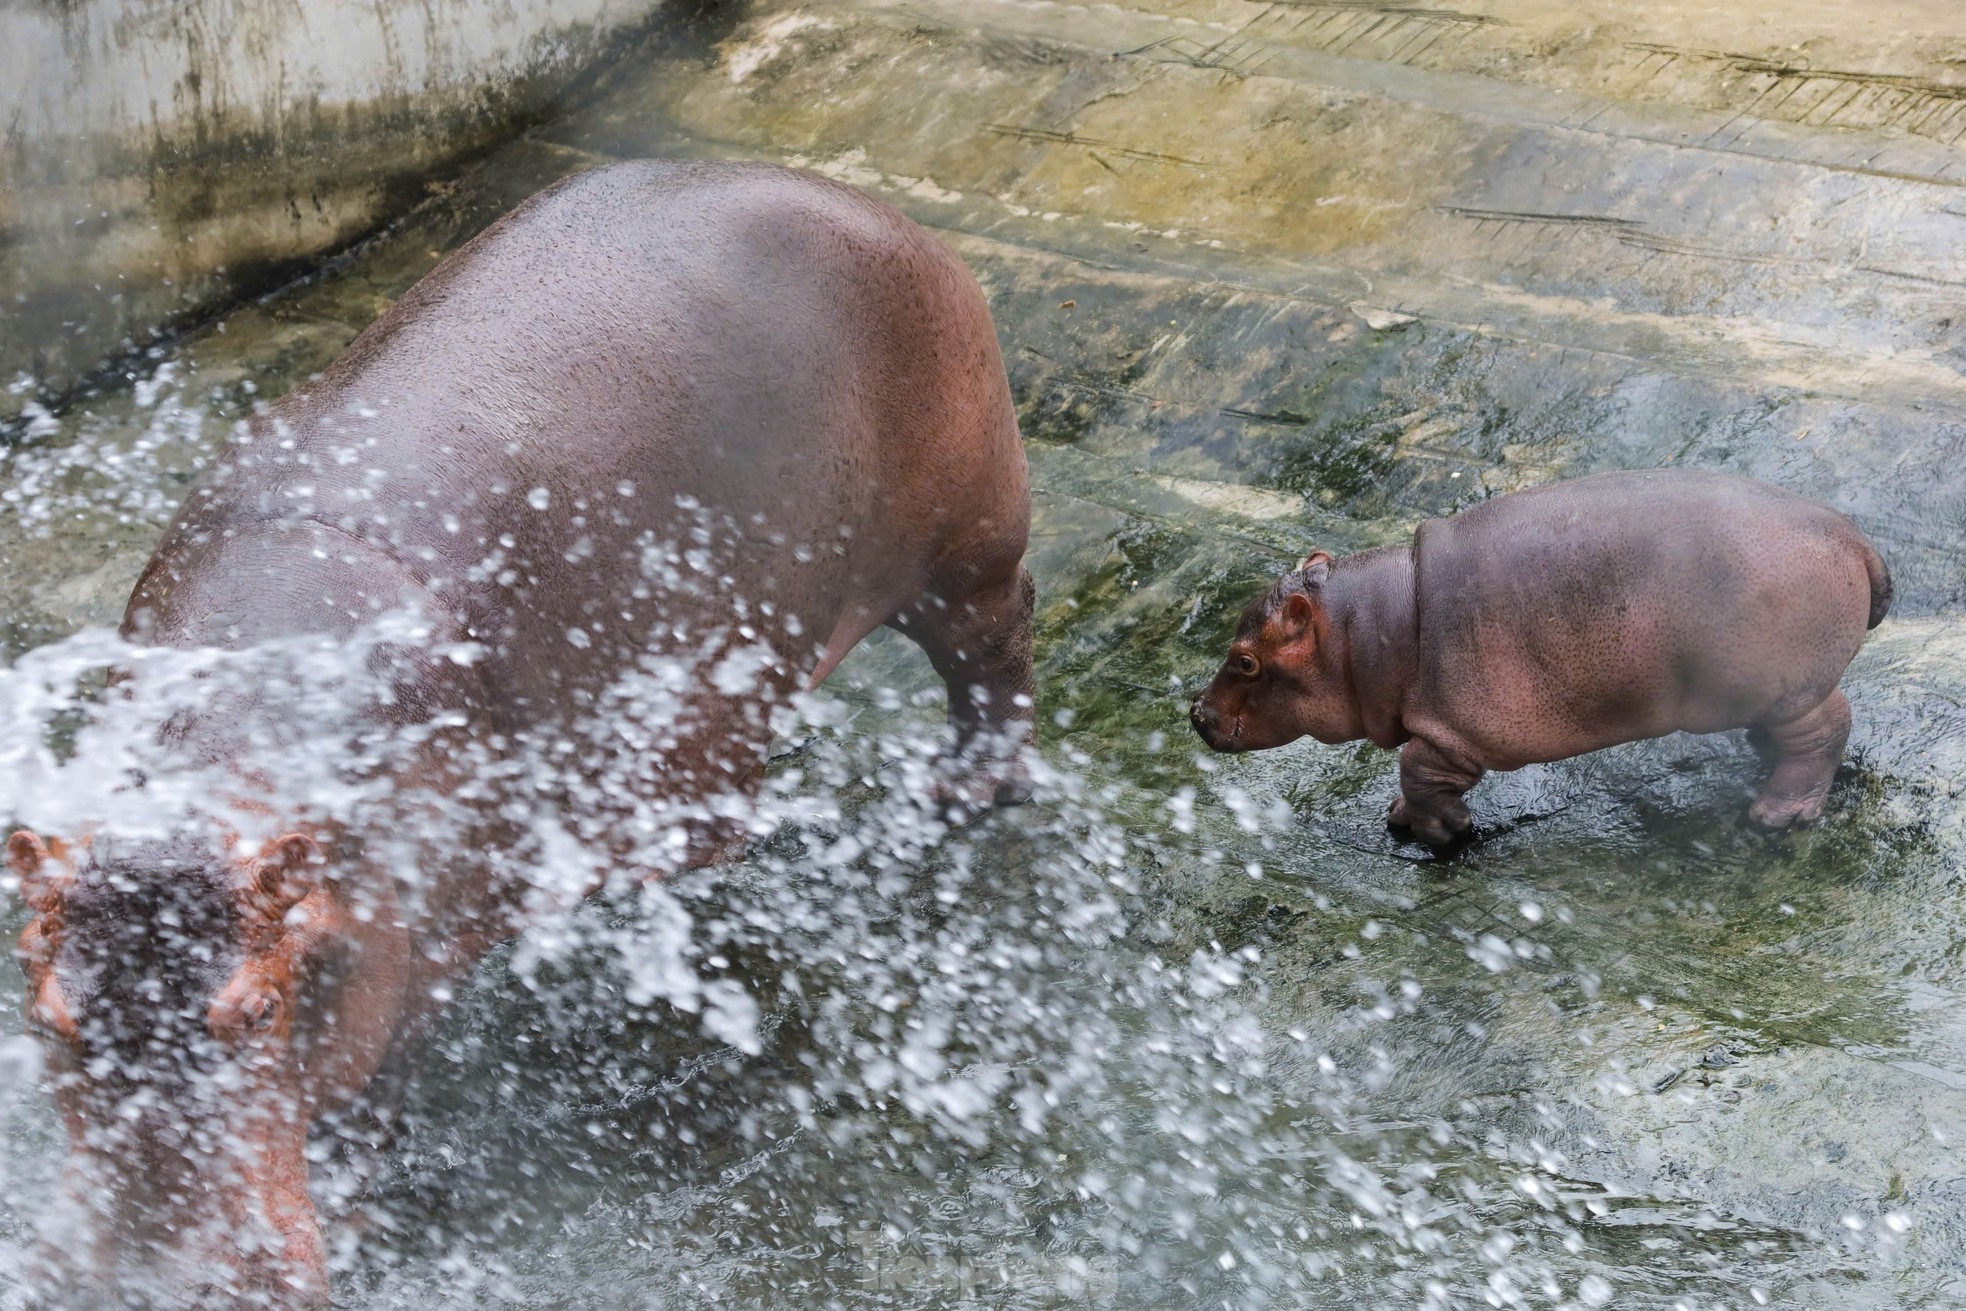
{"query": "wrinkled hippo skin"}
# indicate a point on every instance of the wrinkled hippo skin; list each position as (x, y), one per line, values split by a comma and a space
(1559, 620)
(705, 426)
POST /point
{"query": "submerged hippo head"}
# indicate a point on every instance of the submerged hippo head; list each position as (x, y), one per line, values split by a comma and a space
(1259, 697)
(163, 978)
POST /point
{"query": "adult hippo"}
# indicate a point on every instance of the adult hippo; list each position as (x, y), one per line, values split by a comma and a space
(1558, 620)
(646, 457)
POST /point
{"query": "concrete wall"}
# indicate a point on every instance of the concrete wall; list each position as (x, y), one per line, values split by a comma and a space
(163, 156)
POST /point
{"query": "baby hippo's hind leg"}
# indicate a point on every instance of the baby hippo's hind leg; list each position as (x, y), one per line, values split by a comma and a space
(979, 641)
(1806, 751)
(1432, 786)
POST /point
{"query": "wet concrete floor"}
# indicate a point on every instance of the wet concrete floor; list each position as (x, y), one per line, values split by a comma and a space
(1275, 276)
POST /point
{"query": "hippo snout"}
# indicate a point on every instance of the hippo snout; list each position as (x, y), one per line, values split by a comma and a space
(143, 1289)
(1207, 723)
(223, 1249)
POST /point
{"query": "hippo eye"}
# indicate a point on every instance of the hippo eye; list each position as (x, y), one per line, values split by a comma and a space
(261, 1013)
(1246, 665)
(47, 1017)
(254, 1017)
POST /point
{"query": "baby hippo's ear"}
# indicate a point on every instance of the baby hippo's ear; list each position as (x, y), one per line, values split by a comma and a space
(284, 874)
(1295, 616)
(42, 875)
(1316, 567)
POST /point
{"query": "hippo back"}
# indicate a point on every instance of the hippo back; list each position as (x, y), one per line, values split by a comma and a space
(1628, 605)
(659, 408)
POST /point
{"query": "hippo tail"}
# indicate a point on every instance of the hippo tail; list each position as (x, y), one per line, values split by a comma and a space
(1881, 590)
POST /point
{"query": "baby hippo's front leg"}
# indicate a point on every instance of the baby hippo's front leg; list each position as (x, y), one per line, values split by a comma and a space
(1431, 787)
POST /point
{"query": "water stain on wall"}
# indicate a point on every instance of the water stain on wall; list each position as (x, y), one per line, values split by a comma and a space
(161, 158)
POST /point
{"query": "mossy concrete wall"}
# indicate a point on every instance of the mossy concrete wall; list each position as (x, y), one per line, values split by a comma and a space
(162, 157)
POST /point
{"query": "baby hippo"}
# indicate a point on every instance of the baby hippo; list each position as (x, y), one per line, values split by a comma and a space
(1555, 621)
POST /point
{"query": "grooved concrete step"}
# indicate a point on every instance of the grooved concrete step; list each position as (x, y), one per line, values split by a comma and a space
(1704, 239)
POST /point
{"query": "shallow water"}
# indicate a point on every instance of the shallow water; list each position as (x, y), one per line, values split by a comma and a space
(1196, 1031)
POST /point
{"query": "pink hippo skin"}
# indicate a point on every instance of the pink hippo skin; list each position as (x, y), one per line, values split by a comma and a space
(1559, 620)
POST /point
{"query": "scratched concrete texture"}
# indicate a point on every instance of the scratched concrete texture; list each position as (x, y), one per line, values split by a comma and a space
(1279, 275)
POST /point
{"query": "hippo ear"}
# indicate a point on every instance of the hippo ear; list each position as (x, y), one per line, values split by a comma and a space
(1295, 615)
(284, 874)
(1315, 567)
(42, 876)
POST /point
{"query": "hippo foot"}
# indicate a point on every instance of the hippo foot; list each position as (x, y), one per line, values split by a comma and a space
(1773, 814)
(1435, 831)
(971, 790)
(723, 849)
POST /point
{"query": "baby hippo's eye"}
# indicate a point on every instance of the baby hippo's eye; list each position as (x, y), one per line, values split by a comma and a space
(1246, 664)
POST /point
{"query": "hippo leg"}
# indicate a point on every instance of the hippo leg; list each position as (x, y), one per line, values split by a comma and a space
(1431, 788)
(737, 769)
(1807, 750)
(980, 643)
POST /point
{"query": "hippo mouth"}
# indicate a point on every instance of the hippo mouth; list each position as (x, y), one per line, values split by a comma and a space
(1213, 732)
